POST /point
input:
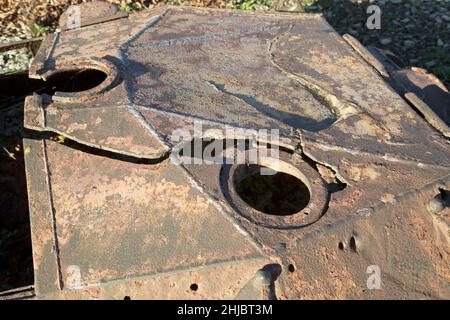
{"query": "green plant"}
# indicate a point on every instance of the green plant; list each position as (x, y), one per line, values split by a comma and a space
(307, 3)
(251, 4)
(441, 63)
(135, 6)
(39, 30)
(176, 2)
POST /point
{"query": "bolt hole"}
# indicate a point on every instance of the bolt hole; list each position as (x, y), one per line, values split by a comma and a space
(353, 244)
(126, 298)
(291, 268)
(280, 194)
(194, 287)
(341, 246)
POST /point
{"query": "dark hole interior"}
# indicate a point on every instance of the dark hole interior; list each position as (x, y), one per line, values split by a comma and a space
(280, 194)
(353, 244)
(75, 80)
(194, 287)
(15, 87)
(291, 268)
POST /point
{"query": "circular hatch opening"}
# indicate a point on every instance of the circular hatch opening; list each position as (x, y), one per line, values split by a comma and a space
(75, 80)
(279, 194)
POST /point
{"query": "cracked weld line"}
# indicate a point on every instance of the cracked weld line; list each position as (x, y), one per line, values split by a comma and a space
(216, 203)
(53, 215)
(331, 101)
(176, 271)
(293, 120)
(388, 157)
(378, 206)
(52, 49)
(218, 36)
(132, 107)
(153, 22)
(149, 127)
(289, 141)
(343, 109)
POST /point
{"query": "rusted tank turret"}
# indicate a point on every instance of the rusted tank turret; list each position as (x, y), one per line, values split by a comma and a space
(348, 201)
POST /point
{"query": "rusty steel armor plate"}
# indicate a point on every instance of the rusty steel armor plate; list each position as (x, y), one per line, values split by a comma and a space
(112, 216)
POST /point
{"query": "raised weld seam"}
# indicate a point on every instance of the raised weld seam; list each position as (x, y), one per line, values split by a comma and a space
(53, 212)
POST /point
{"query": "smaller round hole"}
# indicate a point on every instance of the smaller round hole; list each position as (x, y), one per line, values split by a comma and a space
(194, 287)
(353, 244)
(341, 246)
(291, 268)
(126, 298)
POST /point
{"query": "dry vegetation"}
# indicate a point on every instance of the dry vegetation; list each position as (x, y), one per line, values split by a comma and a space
(26, 18)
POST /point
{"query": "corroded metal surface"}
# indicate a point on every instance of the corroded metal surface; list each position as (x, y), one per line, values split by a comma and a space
(91, 13)
(426, 93)
(146, 227)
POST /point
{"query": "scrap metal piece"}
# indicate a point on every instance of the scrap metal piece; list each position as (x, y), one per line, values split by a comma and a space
(428, 88)
(108, 227)
(429, 114)
(366, 54)
(422, 89)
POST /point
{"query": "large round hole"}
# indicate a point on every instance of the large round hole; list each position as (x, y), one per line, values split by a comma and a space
(278, 194)
(75, 80)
